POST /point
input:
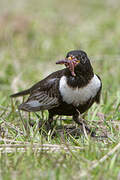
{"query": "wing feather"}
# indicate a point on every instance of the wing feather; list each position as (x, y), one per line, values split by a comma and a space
(43, 100)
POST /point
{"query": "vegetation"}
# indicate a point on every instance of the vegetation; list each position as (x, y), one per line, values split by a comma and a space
(33, 36)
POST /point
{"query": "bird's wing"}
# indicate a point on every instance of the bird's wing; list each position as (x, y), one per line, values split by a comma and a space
(43, 97)
(41, 84)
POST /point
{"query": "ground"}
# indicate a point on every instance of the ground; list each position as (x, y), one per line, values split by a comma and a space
(33, 36)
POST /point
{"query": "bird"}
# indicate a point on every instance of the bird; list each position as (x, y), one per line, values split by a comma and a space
(70, 91)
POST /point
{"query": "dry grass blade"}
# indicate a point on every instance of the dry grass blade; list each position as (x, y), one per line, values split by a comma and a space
(97, 163)
(4, 140)
(4, 108)
(13, 127)
(105, 157)
(22, 147)
(40, 145)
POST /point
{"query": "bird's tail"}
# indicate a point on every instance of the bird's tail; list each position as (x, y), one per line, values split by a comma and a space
(22, 93)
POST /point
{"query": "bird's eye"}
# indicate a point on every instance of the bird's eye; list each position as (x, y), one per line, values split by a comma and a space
(83, 59)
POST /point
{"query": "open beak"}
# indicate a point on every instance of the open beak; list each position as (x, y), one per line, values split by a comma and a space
(70, 63)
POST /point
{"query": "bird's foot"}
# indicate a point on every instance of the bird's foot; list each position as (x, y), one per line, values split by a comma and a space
(46, 127)
(80, 121)
(88, 130)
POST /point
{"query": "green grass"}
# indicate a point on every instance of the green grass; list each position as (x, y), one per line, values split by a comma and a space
(33, 36)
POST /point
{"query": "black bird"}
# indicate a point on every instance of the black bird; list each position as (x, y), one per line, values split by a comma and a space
(69, 91)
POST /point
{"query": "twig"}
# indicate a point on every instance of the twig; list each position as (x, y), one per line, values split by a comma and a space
(46, 149)
(105, 157)
(39, 145)
(11, 148)
(19, 144)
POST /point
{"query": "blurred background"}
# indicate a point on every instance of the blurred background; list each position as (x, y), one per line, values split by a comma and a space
(34, 34)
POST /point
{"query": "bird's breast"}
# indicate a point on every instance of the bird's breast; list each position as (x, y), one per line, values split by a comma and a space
(77, 96)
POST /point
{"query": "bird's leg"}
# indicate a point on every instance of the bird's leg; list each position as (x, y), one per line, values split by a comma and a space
(48, 123)
(80, 122)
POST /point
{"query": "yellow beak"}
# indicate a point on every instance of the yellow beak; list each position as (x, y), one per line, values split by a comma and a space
(69, 58)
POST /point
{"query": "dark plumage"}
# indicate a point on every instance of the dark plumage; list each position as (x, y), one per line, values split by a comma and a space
(67, 91)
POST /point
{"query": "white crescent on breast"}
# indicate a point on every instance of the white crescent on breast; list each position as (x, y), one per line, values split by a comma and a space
(77, 96)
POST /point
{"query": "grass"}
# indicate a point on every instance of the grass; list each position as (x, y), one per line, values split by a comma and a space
(33, 35)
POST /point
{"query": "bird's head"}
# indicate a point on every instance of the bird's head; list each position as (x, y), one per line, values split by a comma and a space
(77, 62)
